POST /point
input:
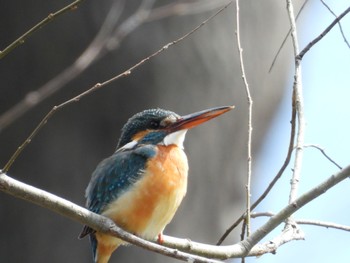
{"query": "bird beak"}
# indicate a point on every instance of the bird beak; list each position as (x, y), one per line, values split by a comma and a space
(192, 120)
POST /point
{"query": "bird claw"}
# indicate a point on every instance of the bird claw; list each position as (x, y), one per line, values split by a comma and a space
(160, 239)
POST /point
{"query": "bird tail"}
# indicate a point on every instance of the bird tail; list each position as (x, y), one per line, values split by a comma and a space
(93, 242)
(86, 230)
(102, 251)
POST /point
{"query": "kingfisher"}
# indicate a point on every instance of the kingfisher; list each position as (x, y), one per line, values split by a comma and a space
(143, 183)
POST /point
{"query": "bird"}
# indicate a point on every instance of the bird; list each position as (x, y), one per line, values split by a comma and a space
(141, 185)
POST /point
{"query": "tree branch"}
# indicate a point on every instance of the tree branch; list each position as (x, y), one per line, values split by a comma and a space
(296, 205)
(84, 216)
(340, 26)
(285, 38)
(272, 183)
(313, 42)
(41, 24)
(247, 247)
(307, 221)
(324, 154)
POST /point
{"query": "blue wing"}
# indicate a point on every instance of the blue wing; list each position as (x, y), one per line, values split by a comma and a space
(115, 175)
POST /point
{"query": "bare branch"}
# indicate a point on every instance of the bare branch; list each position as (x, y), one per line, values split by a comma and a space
(324, 32)
(247, 247)
(99, 86)
(299, 106)
(291, 208)
(313, 42)
(286, 37)
(51, 17)
(272, 183)
(324, 153)
(250, 126)
(323, 224)
(306, 221)
(340, 27)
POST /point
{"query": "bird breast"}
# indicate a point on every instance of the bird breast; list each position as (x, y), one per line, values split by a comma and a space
(150, 204)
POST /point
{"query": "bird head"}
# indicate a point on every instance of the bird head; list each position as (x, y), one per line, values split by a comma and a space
(158, 126)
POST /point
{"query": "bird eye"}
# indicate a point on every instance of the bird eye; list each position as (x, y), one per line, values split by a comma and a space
(154, 124)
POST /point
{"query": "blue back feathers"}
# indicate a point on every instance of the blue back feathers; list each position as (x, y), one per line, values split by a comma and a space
(115, 175)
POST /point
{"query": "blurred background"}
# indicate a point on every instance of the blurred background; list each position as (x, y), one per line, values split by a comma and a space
(99, 40)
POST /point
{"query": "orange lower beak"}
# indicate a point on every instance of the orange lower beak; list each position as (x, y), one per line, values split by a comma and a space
(192, 120)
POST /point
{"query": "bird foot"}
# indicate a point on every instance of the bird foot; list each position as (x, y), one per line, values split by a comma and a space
(160, 239)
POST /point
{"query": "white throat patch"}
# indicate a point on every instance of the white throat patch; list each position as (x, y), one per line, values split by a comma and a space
(127, 146)
(176, 138)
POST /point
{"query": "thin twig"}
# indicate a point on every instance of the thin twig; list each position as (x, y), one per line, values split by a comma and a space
(324, 153)
(286, 37)
(340, 26)
(250, 113)
(313, 42)
(247, 247)
(306, 221)
(272, 183)
(51, 17)
(276, 178)
(323, 224)
(100, 85)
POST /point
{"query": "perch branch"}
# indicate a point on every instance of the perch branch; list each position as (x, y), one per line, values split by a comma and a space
(84, 216)
(247, 247)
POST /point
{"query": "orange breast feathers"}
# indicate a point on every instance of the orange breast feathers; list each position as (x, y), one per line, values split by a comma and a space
(150, 204)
